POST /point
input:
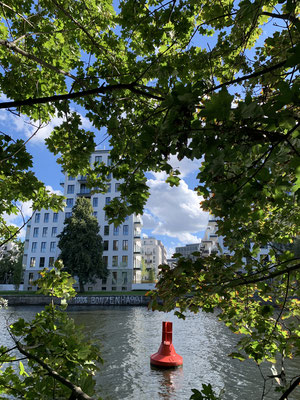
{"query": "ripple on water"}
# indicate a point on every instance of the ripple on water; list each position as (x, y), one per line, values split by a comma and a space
(129, 335)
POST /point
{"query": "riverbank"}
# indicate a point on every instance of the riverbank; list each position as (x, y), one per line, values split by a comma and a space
(85, 299)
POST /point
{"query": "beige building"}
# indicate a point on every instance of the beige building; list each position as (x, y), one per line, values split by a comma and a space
(153, 254)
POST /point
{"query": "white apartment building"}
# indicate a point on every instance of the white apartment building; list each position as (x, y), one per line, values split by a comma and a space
(153, 253)
(187, 250)
(121, 244)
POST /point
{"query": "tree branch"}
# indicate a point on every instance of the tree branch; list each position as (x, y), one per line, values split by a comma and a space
(12, 46)
(264, 278)
(100, 90)
(123, 86)
(75, 389)
(243, 78)
(289, 17)
(290, 389)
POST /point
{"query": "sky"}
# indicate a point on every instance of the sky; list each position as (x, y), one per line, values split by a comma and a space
(172, 214)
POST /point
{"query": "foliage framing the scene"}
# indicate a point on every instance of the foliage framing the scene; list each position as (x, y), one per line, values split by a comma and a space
(211, 80)
(60, 361)
(81, 245)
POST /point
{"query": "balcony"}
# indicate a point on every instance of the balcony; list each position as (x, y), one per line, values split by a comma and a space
(84, 193)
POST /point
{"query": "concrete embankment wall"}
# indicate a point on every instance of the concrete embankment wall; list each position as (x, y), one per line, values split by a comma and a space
(115, 300)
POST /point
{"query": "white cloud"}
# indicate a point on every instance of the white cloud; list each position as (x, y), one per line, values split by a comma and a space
(185, 166)
(51, 190)
(21, 124)
(174, 211)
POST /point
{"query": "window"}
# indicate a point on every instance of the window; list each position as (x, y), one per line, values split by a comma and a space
(45, 231)
(54, 231)
(125, 230)
(55, 217)
(71, 178)
(106, 230)
(70, 189)
(124, 261)
(105, 245)
(117, 187)
(95, 213)
(95, 202)
(107, 200)
(108, 187)
(125, 245)
(51, 261)
(52, 247)
(32, 262)
(98, 159)
(35, 232)
(115, 261)
(33, 247)
(42, 262)
(30, 277)
(115, 245)
(70, 203)
(43, 247)
(114, 277)
(108, 161)
(105, 263)
(46, 217)
(109, 176)
(105, 217)
(68, 215)
(37, 217)
(116, 230)
(104, 281)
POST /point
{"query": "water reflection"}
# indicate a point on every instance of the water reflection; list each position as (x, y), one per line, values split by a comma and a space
(169, 380)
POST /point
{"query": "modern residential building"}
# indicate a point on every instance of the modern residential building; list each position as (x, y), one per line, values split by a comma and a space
(122, 244)
(187, 250)
(153, 253)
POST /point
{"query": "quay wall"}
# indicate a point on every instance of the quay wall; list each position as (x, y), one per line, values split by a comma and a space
(111, 300)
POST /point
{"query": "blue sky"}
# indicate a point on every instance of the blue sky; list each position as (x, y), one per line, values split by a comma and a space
(172, 215)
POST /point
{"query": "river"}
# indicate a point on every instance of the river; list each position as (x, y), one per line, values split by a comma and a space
(129, 335)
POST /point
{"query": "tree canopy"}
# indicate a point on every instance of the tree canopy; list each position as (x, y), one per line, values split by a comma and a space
(81, 245)
(210, 80)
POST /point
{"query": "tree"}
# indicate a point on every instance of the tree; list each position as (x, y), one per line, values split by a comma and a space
(11, 269)
(61, 361)
(217, 81)
(152, 275)
(81, 245)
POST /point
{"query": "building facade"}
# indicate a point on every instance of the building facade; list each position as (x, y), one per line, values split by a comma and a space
(187, 250)
(121, 244)
(153, 254)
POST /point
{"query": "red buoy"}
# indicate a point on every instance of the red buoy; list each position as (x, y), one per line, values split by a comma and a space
(166, 357)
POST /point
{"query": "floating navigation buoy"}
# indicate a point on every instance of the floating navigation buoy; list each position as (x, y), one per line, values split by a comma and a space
(166, 357)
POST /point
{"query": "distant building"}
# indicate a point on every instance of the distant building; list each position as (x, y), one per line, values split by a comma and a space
(6, 248)
(122, 244)
(187, 250)
(153, 253)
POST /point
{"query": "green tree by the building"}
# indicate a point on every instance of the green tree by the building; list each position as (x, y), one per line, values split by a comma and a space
(11, 271)
(81, 245)
(152, 275)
